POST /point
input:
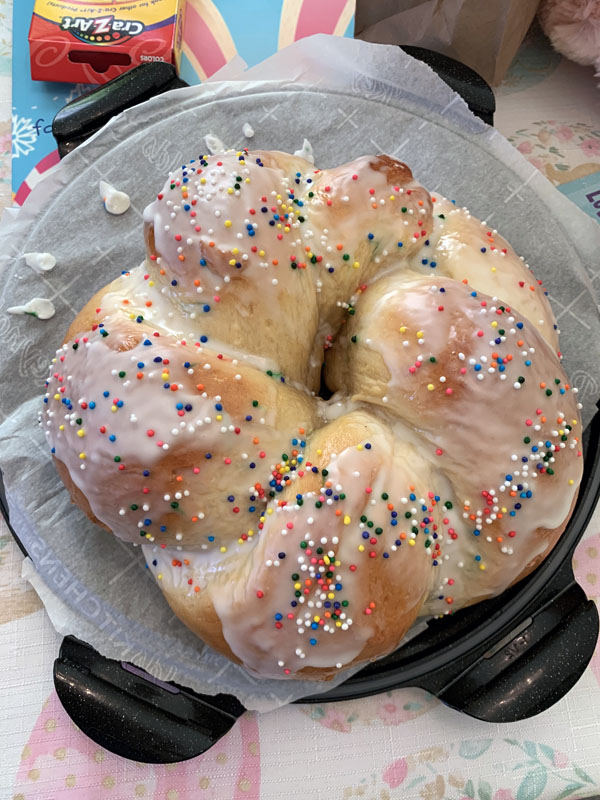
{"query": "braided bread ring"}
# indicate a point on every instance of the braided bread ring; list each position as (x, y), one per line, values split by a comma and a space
(294, 534)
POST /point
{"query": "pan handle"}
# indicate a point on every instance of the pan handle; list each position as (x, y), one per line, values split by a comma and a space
(129, 712)
(527, 670)
(82, 117)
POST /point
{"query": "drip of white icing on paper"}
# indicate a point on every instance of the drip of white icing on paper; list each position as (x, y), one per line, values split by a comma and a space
(214, 144)
(36, 307)
(306, 152)
(115, 202)
(40, 262)
(248, 130)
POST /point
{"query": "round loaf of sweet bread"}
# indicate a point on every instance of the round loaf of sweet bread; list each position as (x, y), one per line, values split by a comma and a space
(328, 402)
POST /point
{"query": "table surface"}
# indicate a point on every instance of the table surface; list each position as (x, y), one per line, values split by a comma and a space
(403, 744)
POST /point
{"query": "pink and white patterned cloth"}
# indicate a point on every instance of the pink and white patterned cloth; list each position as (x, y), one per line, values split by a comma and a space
(397, 746)
(400, 745)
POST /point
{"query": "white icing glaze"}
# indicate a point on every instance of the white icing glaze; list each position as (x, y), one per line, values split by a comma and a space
(40, 262)
(248, 130)
(240, 593)
(463, 247)
(115, 201)
(409, 321)
(37, 307)
(256, 271)
(229, 228)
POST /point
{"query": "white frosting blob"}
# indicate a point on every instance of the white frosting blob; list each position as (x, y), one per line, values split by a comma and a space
(214, 144)
(248, 130)
(36, 307)
(115, 202)
(306, 152)
(40, 262)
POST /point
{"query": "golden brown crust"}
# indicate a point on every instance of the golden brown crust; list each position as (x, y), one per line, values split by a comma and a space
(78, 498)
(293, 536)
(88, 316)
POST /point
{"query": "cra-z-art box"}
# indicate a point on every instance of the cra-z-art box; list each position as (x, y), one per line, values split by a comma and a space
(83, 41)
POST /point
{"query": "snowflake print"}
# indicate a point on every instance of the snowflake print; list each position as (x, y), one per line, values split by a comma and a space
(24, 136)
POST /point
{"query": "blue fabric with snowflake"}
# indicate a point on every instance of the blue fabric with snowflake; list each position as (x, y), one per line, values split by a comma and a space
(34, 104)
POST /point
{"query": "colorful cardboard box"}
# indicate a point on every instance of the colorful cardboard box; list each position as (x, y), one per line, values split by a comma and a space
(78, 41)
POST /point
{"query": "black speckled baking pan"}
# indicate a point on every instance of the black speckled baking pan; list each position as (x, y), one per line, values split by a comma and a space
(502, 660)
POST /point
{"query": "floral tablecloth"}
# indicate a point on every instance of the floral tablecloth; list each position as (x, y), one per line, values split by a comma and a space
(404, 744)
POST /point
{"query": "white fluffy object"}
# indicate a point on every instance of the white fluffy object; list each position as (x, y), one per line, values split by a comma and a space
(573, 27)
